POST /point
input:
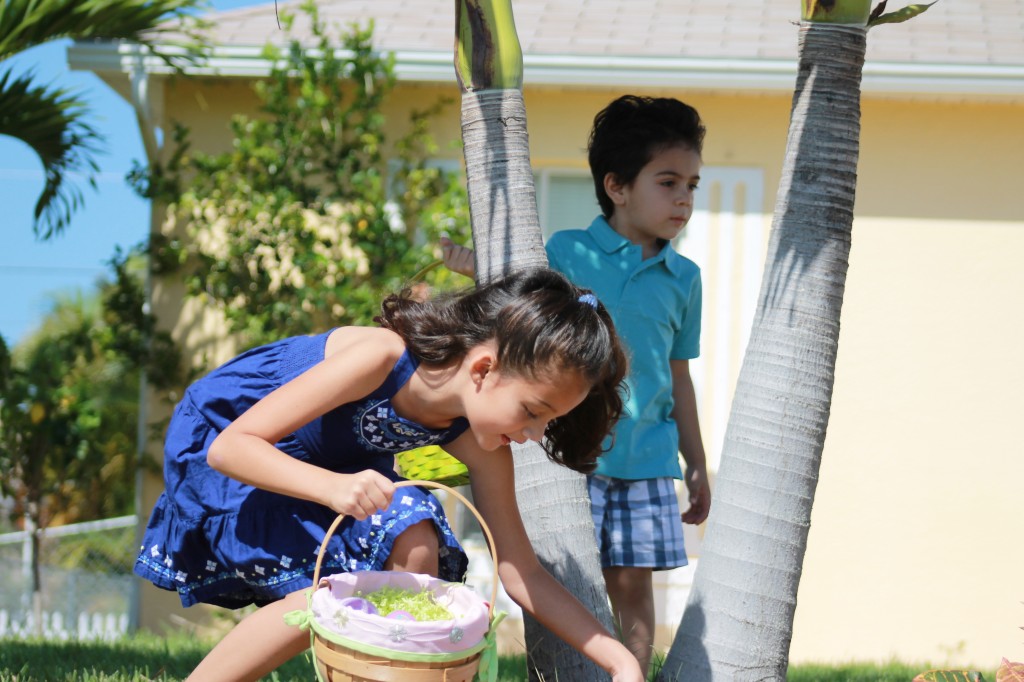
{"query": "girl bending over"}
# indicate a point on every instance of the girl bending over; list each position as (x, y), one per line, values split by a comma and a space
(264, 452)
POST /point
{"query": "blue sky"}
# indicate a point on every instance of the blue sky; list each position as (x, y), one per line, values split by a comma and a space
(31, 272)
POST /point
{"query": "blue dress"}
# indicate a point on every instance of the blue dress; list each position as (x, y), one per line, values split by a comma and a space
(216, 540)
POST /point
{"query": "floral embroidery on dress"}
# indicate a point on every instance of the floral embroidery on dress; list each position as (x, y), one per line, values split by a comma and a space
(378, 427)
(229, 582)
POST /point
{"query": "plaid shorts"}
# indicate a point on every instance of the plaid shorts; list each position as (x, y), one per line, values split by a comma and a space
(637, 522)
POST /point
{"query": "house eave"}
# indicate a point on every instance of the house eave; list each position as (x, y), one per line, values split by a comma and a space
(768, 76)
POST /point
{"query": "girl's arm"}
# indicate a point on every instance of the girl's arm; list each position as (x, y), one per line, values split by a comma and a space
(524, 579)
(361, 359)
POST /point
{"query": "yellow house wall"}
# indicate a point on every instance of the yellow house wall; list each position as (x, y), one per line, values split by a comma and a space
(912, 551)
(914, 547)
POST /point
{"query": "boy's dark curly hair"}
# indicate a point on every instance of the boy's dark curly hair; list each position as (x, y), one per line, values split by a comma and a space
(630, 131)
(541, 328)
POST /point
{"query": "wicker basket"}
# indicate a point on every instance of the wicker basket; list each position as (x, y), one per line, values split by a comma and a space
(340, 660)
(431, 463)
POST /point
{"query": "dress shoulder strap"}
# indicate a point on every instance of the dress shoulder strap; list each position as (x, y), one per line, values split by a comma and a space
(400, 373)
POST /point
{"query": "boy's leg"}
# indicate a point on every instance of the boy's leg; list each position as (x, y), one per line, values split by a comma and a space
(640, 532)
(259, 644)
(631, 591)
(630, 588)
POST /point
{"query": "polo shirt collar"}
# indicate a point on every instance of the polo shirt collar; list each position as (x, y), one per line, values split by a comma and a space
(607, 238)
(611, 241)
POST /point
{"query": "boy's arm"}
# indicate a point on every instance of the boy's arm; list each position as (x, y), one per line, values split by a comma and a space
(684, 411)
(458, 258)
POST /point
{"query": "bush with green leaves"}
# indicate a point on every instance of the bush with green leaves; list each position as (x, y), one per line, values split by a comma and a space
(69, 405)
(312, 215)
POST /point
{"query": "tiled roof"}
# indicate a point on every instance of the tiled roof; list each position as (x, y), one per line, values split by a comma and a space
(977, 32)
(958, 49)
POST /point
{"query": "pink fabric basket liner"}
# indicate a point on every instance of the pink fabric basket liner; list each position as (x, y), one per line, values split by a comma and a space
(466, 629)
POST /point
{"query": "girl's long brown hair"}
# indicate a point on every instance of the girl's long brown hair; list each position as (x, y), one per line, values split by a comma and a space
(543, 326)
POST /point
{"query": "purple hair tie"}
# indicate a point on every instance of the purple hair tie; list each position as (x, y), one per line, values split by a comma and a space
(589, 299)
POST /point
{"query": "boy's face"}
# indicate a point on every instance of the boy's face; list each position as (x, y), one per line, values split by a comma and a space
(659, 202)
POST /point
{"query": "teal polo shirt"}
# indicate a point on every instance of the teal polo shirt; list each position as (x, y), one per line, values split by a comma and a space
(656, 306)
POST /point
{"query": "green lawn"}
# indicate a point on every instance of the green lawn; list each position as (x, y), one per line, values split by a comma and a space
(145, 657)
(141, 658)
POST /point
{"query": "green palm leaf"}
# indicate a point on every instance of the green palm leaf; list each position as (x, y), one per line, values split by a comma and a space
(52, 120)
(25, 23)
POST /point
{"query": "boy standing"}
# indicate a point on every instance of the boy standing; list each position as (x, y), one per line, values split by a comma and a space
(645, 158)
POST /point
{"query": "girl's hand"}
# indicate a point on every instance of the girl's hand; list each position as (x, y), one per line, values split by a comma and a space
(362, 494)
(631, 676)
(630, 672)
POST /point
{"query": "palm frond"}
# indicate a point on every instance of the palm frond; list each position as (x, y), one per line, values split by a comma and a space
(50, 121)
(25, 23)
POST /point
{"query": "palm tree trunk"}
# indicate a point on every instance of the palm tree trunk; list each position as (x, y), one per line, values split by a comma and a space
(499, 181)
(739, 619)
(507, 237)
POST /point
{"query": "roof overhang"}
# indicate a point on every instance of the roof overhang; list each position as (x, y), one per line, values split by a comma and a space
(886, 79)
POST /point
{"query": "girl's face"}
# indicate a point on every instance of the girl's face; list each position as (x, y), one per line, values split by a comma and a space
(659, 201)
(510, 408)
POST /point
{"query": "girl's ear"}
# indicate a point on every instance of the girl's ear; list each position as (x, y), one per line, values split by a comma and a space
(481, 363)
(614, 189)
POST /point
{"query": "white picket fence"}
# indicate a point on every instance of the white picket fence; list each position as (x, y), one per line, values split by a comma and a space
(84, 602)
(88, 626)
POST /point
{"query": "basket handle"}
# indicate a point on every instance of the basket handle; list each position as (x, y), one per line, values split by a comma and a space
(459, 496)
